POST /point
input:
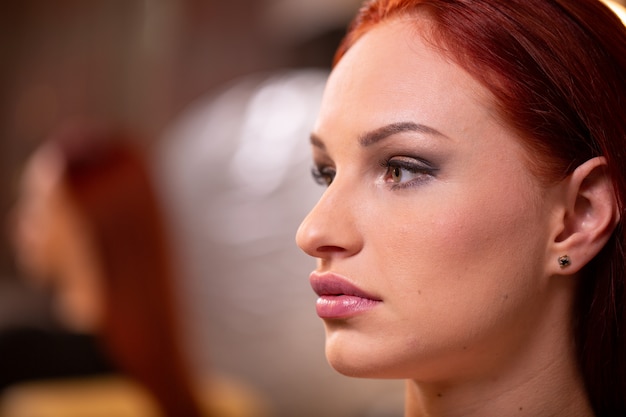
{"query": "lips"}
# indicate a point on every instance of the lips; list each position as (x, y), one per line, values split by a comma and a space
(340, 299)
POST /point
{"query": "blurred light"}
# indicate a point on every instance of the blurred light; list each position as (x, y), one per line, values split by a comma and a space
(617, 8)
(269, 135)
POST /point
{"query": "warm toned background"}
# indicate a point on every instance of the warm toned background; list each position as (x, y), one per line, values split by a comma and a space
(144, 64)
(147, 64)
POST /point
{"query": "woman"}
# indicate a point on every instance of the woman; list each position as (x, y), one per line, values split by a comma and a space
(470, 240)
(90, 228)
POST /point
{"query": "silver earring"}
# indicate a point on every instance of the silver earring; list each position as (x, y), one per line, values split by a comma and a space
(564, 261)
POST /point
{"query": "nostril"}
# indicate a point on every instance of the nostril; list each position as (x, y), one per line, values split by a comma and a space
(330, 248)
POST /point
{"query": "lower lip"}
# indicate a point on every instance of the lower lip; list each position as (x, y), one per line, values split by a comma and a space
(343, 306)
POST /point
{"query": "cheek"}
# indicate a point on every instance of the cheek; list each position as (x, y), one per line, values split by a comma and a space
(476, 233)
(470, 242)
(34, 246)
(456, 275)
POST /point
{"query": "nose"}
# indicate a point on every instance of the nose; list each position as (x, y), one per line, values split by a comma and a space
(330, 229)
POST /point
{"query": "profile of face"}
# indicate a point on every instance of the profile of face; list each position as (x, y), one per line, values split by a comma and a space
(432, 227)
(51, 243)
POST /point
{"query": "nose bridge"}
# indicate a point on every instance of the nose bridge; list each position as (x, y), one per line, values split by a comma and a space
(330, 227)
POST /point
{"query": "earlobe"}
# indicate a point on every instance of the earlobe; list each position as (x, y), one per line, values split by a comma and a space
(590, 214)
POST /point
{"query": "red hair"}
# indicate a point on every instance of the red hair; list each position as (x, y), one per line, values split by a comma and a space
(108, 182)
(557, 69)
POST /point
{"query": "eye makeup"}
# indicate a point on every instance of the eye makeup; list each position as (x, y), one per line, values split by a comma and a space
(406, 171)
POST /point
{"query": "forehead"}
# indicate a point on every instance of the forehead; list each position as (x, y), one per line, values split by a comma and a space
(395, 72)
(42, 171)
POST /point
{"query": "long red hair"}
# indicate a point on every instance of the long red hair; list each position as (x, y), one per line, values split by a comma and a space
(557, 69)
(108, 181)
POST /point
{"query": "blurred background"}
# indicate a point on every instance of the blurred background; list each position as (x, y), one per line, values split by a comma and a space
(223, 95)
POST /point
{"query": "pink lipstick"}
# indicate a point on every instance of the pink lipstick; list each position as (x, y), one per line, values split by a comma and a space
(338, 298)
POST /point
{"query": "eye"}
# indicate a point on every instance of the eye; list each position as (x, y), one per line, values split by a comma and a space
(323, 175)
(406, 171)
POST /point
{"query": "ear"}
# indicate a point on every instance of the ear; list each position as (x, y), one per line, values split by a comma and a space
(589, 216)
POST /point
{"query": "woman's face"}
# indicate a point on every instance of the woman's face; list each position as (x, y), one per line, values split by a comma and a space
(432, 228)
(36, 217)
(52, 244)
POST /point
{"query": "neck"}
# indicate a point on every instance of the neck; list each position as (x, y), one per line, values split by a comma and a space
(538, 377)
(552, 388)
(544, 394)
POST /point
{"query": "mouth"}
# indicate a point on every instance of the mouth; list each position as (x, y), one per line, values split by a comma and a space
(340, 299)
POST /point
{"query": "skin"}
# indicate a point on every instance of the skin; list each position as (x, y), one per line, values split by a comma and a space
(52, 244)
(460, 249)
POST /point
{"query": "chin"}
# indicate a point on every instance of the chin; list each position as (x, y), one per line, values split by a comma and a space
(360, 361)
(352, 370)
(370, 369)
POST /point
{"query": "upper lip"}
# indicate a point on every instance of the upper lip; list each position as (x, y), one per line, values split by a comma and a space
(333, 284)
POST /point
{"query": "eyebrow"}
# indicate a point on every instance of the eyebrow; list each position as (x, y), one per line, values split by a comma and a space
(376, 135)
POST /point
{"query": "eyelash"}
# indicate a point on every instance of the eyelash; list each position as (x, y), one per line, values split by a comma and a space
(412, 165)
(325, 174)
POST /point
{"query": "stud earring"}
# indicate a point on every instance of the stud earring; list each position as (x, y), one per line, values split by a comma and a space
(564, 261)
